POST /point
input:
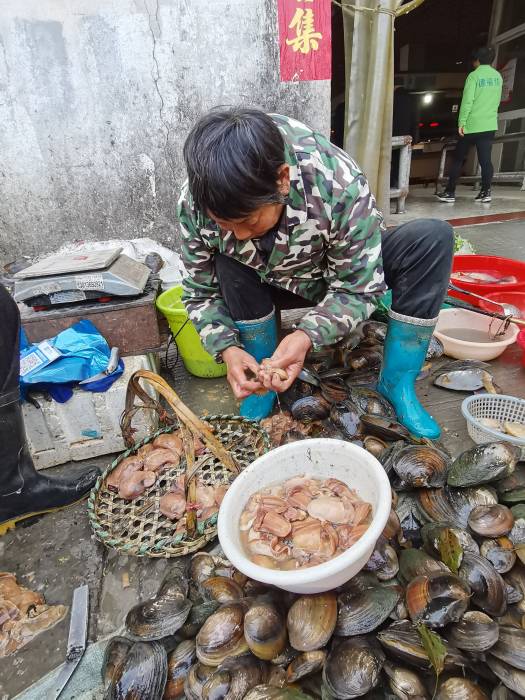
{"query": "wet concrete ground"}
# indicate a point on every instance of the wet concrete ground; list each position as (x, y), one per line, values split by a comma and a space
(57, 552)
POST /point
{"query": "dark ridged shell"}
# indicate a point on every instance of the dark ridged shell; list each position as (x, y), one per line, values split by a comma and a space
(143, 675)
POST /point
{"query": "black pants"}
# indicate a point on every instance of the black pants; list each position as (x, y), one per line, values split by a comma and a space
(9, 343)
(483, 142)
(417, 259)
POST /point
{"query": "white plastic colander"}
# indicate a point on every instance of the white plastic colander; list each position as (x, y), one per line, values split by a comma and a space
(505, 409)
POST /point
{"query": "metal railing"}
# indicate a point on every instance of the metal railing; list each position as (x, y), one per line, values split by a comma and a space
(404, 145)
(518, 175)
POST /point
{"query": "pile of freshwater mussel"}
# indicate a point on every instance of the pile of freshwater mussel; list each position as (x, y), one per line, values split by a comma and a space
(437, 612)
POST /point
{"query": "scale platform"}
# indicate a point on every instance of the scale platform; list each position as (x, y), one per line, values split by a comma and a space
(89, 275)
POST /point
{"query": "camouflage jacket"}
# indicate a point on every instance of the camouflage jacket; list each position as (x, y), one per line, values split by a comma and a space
(327, 249)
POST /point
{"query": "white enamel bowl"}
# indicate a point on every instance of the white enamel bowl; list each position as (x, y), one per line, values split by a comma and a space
(464, 349)
(321, 458)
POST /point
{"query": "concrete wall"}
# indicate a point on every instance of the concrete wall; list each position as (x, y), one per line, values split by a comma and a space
(97, 96)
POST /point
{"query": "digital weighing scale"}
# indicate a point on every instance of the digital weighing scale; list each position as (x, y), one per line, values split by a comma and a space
(81, 276)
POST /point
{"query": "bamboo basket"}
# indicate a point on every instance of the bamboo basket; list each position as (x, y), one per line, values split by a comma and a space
(138, 527)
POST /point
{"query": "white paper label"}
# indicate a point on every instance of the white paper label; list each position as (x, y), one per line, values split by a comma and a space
(65, 297)
(93, 282)
(29, 363)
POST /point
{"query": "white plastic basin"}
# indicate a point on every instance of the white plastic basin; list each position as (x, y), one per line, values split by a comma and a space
(467, 350)
(322, 458)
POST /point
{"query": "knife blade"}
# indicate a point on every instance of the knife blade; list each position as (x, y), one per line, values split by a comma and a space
(111, 367)
(76, 643)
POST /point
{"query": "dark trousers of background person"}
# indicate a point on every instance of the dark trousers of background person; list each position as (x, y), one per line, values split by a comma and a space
(483, 141)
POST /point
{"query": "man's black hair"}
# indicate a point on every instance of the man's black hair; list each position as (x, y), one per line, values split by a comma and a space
(485, 55)
(232, 157)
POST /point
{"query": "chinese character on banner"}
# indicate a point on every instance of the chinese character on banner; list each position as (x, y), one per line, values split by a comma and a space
(305, 38)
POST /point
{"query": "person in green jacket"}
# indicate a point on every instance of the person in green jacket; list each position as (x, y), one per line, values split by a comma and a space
(478, 122)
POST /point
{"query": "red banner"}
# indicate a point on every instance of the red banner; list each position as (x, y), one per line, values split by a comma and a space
(305, 39)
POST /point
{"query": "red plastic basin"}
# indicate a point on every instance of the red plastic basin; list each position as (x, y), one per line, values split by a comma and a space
(491, 265)
(515, 298)
(521, 342)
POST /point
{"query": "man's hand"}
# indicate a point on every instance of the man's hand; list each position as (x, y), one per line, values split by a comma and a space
(239, 364)
(461, 131)
(289, 356)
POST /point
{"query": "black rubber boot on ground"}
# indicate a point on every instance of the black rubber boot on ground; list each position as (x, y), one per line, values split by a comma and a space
(24, 492)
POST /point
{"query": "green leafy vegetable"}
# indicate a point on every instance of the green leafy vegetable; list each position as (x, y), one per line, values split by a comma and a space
(450, 549)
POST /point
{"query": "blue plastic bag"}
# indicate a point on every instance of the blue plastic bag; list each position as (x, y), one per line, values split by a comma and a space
(78, 353)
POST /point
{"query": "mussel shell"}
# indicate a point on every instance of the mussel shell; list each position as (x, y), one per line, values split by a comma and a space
(363, 611)
(375, 331)
(310, 408)
(269, 692)
(435, 348)
(513, 678)
(390, 568)
(345, 416)
(491, 520)
(476, 632)
(420, 466)
(114, 656)
(448, 504)
(179, 662)
(511, 489)
(197, 677)
(306, 663)
(432, 532)
(510, 646)
(311, 621)
(487, 586)
(352, 668)
(265, 630)
(221, 589)
(513, 594)
(217, 686)
(374, 445)
(416, 562)
(246, 672)
(385, 428)
(457, 688)
(143, 674)
(404, 683)
(157, 618)
(197, 617)
(482, 464)
(500, 553)
(334, 389)
(401, 639)
(222, 635)
(437, 599)
(501, 692)
(371, 402)
(202, 566)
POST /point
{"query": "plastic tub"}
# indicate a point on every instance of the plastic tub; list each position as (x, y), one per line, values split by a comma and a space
(521, 342)
(322, 458)
(196, 360)
(515, 298)
(467, 350)
(491, 265)
(506, 409)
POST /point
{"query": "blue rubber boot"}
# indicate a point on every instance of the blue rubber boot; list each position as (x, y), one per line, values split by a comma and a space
(259, 338)
(405, 350)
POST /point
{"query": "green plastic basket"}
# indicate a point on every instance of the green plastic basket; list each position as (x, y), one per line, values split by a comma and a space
(196, 360)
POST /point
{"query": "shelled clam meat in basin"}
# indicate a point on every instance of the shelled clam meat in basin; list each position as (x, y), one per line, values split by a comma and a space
(302, 521)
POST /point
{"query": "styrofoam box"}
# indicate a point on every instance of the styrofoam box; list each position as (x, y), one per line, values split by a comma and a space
(88, 424)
